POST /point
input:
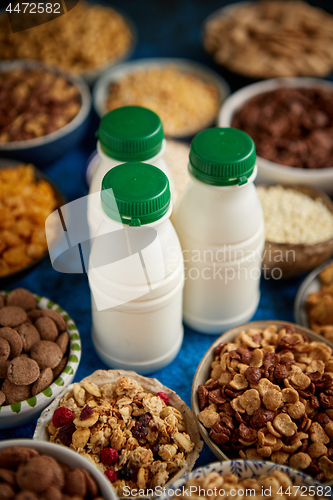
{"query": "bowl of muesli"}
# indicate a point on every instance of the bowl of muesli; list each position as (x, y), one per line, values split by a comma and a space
(264, 391)
(140, 434)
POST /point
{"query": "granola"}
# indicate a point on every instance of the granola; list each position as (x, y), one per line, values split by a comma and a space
(270, 396)
(132, 435)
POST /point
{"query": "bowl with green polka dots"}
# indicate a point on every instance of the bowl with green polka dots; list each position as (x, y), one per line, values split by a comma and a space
(12, 415)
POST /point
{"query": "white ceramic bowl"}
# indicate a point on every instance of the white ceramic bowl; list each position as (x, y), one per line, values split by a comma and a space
(203, 371)
(19, 413)
(68, 457)
(245, 469)
(268, 171)
(46, 149)
(101, 88)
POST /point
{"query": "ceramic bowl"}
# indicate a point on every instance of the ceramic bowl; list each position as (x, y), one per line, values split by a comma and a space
(43, 150)
(68, 457)
(268, 171)
(290, 259)
(203, 371)
(19, 413)
(101, 88)
(245, 469)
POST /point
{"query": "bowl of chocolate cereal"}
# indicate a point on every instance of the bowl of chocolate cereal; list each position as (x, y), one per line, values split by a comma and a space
(44, 111)
(291, 123)
(185, 94)
(263, 391)
(30, 469)
(40, 350)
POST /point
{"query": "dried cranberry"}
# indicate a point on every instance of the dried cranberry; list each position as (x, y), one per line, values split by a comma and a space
(163, 396)
(65, 433)
(138, 431)
(62, 416)
(109, 456)
(86, 412)
(125, 473)
(145, 419)
(111, 475)
(155, 449)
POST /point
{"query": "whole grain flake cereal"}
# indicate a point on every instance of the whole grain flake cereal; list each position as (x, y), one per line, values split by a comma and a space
(133, 434)
(270, 396)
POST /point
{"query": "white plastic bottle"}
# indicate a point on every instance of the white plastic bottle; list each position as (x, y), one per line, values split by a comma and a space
(126, 134)
(220, 225)
(136, 272)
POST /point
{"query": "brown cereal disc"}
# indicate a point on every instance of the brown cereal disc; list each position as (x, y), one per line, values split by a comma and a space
(4, 350)
(26, 495)
(29, 476)
(56, 317)
(4, 368)
(7, 491)
(75, 483)
(62, 341)
(13, 339)
(45, 379)
(59, 368)
(52, 493)
(46, 328)
(23, 371)
(2, 400)
(2, 301)
(29, 335)
(15, 393)
(7, 476)
(22, 298)
(46, 353)
(91, 483)
(12, 316)
(12, 456)
(34, 314)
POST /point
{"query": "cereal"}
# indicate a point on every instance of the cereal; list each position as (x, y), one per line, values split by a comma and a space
(319, 306)
(70, 42)
(285, 414)
(39, 476)
(21, 220)
(28, 364)
(294, 217)
(133, 436)
(36, 103)
(184, 102)
(271, 39)
(290, 126)
(274, 484)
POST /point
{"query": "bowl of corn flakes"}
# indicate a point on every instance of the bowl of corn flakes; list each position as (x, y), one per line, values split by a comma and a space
(22, 223)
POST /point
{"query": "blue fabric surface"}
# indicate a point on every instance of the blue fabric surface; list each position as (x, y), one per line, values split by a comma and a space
(164, 29)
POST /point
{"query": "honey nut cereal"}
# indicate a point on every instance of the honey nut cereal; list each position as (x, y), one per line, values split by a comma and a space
(319, 305)
(35, 103)
(270, 396)
(184, 102)
(273, 485)
(25, 204)
(268, 39)
(83, 39)
(133, 436)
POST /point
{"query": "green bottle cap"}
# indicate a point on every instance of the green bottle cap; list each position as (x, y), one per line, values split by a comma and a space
(222, 156)
(131, 133)
(136, 191)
